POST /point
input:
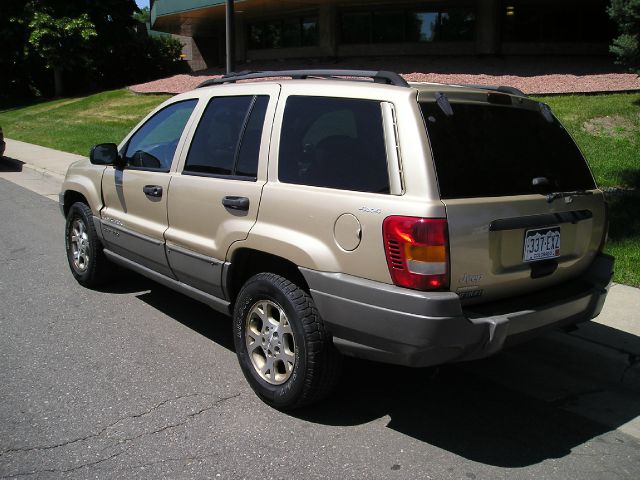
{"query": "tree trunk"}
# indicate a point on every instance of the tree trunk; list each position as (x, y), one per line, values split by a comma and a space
(57, 81)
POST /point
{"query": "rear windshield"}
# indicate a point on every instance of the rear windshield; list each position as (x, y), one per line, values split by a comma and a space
(492, 150)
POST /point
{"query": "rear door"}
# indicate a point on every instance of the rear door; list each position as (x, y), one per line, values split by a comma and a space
(134, 217)
(497, 162)
(215, 194)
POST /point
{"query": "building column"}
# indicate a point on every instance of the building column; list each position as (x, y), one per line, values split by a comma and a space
(328, 24)
(241, 38)
(488, 24)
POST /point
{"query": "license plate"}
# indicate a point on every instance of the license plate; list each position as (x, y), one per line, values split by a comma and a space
(541, 244)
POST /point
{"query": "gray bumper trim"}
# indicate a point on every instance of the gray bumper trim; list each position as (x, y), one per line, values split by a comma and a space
(383, 322)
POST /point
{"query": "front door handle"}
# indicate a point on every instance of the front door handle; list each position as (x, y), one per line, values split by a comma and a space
(152, 190)
(236, 203)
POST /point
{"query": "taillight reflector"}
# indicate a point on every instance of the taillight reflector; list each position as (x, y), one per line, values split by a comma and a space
(416, 251)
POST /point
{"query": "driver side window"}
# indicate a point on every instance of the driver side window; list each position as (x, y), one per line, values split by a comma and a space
(154, 144)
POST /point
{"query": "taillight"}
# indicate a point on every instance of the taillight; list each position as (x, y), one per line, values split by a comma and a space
(416, 250)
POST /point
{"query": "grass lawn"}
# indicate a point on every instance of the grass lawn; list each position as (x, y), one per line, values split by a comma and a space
(606, 127)
(76, 124)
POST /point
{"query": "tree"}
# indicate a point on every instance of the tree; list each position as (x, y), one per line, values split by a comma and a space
(91, 44)
(60, 42)
(143, 16)
(626, 47)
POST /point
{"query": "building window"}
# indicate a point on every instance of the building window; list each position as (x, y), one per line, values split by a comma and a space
(393, 26)
(553, 21)
(287, 33)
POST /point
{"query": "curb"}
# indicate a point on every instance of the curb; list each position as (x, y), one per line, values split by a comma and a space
(42, 171)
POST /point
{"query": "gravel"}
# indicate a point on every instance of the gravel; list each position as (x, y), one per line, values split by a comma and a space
(532, 75)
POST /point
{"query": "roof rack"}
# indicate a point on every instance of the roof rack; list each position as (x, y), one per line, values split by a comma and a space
(495, 88)
(390, 78)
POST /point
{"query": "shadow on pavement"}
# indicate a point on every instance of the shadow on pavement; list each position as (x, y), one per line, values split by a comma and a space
(8, 164)
(191, 313)
(512, 410)
(515, 409)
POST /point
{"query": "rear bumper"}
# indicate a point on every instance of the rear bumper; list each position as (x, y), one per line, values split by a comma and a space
(386, 323)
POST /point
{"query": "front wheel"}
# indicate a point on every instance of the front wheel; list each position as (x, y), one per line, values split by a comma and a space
(284, 351)
(86, 259)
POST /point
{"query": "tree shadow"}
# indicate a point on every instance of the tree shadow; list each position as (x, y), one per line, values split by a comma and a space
(19, 104)
(624, 205)
(631, 178)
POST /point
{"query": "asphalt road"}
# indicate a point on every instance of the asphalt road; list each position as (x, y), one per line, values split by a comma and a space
(136, 381)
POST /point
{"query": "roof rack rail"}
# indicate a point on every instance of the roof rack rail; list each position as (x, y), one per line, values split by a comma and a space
(390, 78)
(497, 88)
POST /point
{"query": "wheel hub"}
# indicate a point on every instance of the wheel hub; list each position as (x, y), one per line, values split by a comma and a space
(270, 342)
(80, 246)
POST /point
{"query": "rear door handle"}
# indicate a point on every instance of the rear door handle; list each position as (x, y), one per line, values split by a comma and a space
(236, 203)
(152, 190)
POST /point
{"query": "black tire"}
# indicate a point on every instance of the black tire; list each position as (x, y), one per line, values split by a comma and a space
(92, 269)
(317, 364)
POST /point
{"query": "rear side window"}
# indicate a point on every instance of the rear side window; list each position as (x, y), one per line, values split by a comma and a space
(227, 140)
(490, 151)
(333, 143)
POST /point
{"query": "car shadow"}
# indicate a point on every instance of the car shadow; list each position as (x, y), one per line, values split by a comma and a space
(192, 314)
(8, 164)
(518, 408)
(515, 409)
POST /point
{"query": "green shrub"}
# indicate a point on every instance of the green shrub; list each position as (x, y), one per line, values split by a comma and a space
(626, 47)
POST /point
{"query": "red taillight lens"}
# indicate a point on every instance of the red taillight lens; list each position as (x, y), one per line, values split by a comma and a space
(416, 250)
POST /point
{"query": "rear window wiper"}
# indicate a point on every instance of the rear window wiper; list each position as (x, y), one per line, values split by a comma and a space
(555, 195)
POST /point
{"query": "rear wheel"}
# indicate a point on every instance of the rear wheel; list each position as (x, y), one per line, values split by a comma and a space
(284, 351)
(86, 259)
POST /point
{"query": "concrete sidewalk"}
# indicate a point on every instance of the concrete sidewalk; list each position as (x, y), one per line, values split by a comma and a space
(41, 159)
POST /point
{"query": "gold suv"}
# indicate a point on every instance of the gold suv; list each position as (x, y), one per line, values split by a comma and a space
(348, 213)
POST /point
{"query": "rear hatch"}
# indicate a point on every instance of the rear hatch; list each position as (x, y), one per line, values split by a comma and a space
(522, 207)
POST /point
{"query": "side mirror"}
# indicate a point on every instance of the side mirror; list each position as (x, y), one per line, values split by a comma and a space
(105, 154)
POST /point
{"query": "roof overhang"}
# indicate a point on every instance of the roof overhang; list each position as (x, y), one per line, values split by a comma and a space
(201, 17)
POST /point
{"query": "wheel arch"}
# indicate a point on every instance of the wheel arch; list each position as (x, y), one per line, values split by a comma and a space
(247, 262)
(83, 183)
(70, 197)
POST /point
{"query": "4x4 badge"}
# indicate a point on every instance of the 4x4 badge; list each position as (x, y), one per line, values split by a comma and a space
(370, 210)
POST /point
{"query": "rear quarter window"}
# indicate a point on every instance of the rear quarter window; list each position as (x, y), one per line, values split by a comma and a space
(333, 143)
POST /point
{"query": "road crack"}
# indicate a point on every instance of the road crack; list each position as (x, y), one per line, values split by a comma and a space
(122, 442)
(104, 429)
(178, 424)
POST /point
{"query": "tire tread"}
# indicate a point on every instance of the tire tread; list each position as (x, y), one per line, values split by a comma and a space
(323, 361)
